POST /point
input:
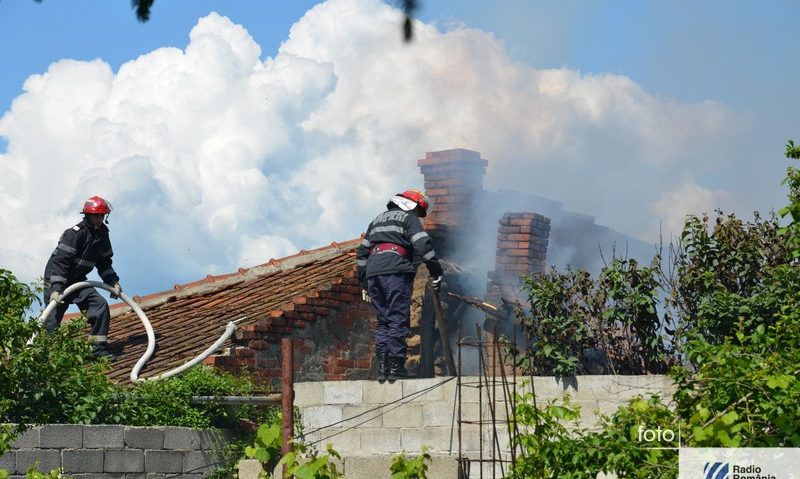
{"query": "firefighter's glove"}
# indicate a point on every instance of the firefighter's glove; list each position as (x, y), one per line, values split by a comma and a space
(55, 296)
(365, 296)
(117, 290)
(436, 283)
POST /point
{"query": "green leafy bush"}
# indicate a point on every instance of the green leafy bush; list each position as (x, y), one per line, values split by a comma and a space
(166, 403)
(554, 446)
(730, 315)
(572, 315)
(302, 462)
(52, 379)
(416, 467)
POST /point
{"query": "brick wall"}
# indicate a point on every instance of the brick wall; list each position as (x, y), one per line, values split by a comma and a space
(453, 182)
(332, 337)
(123, 452)
(521, 250)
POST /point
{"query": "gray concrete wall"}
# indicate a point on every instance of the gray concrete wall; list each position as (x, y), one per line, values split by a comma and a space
(116, 452)
(368, 423)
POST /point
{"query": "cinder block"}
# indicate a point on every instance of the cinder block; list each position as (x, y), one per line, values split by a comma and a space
(445, 440)
(82, 460)
(320, 416)
(380, 441)
(377, 393)
(408, 415)
(342, 392)
(439, 390)
(549, 388)
(201, 462)
(311, 437)
(8, 461)
(411, 440)
(182, 439)
(434, 414)
(28, 439)
(308, 393)
(124, 460)
(144, 438)
(47, 459)
(249, 469)
(163, 461)
(103, 437)
(363, 416)
(214, 439)
(104, 475)
(345, 441)
(61, 436)
(371, 467)
(470, 392)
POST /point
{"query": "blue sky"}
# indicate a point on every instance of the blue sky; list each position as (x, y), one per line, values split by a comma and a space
(735, 52)
(634, 112)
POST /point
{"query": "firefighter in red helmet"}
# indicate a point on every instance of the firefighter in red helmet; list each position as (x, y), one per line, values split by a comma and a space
(80, 249)
(386, 269)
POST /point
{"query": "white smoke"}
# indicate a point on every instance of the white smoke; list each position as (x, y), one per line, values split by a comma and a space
(215, 157)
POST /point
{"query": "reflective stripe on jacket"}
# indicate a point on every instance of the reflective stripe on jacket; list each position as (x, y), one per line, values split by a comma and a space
(404, 229)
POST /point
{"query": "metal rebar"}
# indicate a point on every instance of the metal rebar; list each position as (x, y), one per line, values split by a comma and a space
(480, 402)
(508, 401)
(484, 371)
(250, 400)
(287, 401)
(493, 402)
(461, 468)
(514, 397)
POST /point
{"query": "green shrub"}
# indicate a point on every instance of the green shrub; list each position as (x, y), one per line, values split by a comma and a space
(52, 379)
(732, 298)
(572, 314)
(553, 446)
(303, 461)
(413, 468)
(166, 403)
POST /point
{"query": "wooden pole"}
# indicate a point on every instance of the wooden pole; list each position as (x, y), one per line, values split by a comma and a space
(287, 400)
(442, 325)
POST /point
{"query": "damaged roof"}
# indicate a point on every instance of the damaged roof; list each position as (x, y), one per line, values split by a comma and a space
(191, 317)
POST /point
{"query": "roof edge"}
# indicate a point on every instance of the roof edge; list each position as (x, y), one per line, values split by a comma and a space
(214, 283)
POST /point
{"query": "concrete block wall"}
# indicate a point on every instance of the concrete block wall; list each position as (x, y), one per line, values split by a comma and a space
(116, 452)
(368, 423)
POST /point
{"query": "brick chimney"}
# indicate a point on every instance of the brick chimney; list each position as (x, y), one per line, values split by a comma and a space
(453, 182)
(521, 250)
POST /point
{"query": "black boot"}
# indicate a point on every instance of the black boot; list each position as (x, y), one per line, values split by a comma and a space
(100, 350)
(397, 369)
(383, 367)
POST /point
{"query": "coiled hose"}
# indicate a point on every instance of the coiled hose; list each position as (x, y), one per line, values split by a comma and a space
(151, 336)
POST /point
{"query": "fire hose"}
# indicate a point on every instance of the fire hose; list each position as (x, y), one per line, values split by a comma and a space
(151, 337)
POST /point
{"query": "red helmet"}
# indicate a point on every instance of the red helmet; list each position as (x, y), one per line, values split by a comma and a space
(417, 197)
(96, 205)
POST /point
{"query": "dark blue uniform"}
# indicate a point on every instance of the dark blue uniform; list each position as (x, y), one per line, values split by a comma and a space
(81, 249)
(386, 269)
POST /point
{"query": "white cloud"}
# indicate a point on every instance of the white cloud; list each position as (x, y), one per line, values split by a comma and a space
(688, 199)
(259, 250)
(216, 158)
